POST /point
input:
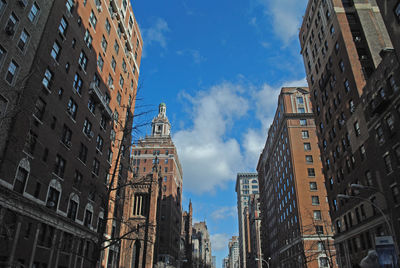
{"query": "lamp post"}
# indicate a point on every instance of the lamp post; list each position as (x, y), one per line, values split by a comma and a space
(266, 261)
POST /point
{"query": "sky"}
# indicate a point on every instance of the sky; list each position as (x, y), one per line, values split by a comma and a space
(219, 66)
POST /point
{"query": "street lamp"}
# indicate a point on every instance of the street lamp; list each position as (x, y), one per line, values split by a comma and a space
(266, 261)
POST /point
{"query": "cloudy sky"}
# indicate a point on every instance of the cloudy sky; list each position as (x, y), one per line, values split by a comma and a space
(219, 66)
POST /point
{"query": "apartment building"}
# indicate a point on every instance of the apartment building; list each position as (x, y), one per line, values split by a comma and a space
(246, 184)
(296, 228)
(60, 123)
(345, 47)
(156, 153)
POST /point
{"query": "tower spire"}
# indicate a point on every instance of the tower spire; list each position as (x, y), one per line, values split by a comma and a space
(160, 124)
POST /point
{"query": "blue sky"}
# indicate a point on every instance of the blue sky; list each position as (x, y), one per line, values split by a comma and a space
(219, 66)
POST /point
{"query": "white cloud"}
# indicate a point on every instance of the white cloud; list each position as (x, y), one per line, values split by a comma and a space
(156, 33)
(195, 54)
(224, 212)
(219, 241)
(206, 151)
(286, 16)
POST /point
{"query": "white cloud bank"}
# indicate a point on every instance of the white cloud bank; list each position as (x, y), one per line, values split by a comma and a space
(224, 212)
(219, 241)
(156, 33)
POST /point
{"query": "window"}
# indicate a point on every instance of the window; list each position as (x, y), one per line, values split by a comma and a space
(100, 62)
(317, 214)
(380, 135)
(323, 261)
(313, 186)
(83, 60)
(88, 39)
(66, 136)
(2, 54)
(47, 79)
(304, 134)
(319, 229)
(124, 65)
(140, 205)
(88, 218)
(347, 86)
(99, 143)
(301, 110)
(116, 47)
(70, 5)
(311, 172)
(352, 106)
(395, 194)
(59, 166)
(11, 24)
(315, 200)
(11, 72)
(55, 51)
(23, 40)
(309, 159)
(116, 116)
(93, 20)
(72, 209)
(77, 179)
(390, 122)
(96, 167)
(357, 128)
(397, 11)
(300, 100)
(104, 44)
(332, 30)
(52, 198)
(87, 128)
(307, 146)
(39, 109)
(91, 105)
(303, 122)
(83, 153)
(72, 108)
(108, 26)
(62, 28)
(110, 81)
(119, 98)
(121, 81)
(20, 180)
(78, 84)
(113, 63)
(34, 12)
(388, 163)
(341, 66)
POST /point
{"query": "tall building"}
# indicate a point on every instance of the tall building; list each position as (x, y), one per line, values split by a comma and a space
(246, 184)
(253, 227)
(234, 255)
(202, 253)
(186, 237)
(352, 73)
(296, 228)
(59, 108)
(155, 153)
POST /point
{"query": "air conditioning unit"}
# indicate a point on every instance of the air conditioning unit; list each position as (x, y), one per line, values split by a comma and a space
(112, 87)
(99, 9)
(23, 3)
(10, 29)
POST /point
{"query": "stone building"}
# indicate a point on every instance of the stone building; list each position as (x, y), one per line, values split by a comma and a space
(59, 108)
(246, 184)
(352, 72)
(296, 227)
(202, 254)
(155, 153)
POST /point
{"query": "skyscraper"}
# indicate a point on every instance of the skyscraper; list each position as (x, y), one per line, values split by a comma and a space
(354, 99)
(61, 113)
(156, 153)
(246, 184)
(296, 227)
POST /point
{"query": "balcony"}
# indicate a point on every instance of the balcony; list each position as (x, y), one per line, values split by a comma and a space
(99, 97)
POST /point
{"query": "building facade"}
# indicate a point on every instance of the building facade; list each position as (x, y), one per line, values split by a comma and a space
(186, 237)
(233, 259)
(59, 118)
(246, 184)
(157, 153)
(296, 228)
(202, 253)
(254, 254)
(352, 74)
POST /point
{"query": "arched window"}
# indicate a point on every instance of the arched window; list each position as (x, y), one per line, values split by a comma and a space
(73, 206)
(21, 176)
(135, 254)
(53, 194)
(88, 215)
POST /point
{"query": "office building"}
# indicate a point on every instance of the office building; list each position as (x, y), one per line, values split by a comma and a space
(202, 252)
(246, 184)
(296, 227)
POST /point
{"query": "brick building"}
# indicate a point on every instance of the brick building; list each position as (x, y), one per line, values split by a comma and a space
(156, 151)
(59, 108)
(352, 73)
(253, 228)
(295, 228)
